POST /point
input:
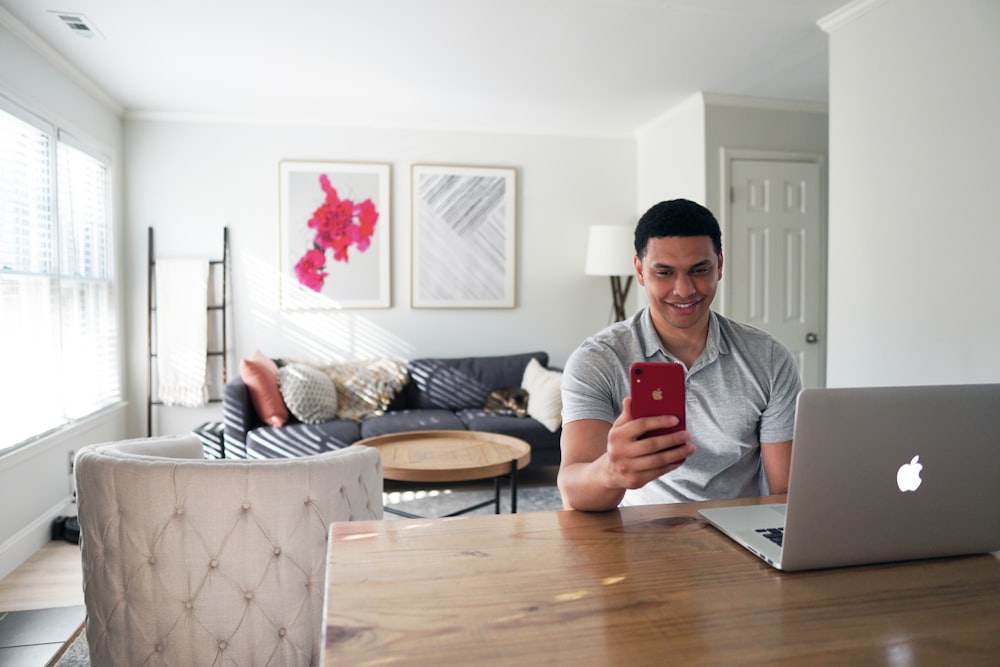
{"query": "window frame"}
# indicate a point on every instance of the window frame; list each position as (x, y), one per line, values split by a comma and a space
(107, 314)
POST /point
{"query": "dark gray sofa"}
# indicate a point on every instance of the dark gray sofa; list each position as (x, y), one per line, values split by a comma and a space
(441, 394)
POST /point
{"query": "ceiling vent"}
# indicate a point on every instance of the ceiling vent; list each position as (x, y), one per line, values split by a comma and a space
(79, 24)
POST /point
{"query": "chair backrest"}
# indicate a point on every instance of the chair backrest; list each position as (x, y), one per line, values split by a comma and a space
(189, 561)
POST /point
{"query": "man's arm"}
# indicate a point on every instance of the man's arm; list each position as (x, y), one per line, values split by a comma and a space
(600, 461)
(777, 460)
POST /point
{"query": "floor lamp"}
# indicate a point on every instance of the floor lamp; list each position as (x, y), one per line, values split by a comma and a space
(610, 249)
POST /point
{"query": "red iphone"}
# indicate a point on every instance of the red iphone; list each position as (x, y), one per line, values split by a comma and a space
(658, 389)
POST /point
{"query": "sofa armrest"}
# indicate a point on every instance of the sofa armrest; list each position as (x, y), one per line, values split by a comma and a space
(238, 416)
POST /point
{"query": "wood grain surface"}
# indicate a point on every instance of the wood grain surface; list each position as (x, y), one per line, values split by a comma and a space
(646, 585)
(448, 456)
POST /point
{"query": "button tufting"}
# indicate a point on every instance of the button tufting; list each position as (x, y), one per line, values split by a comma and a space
(213, 563)
(282, 632)
(179, 511)
(249, 595)
(152, 560)
(222, 646)
(158, 648)
(188, 605)
(277, 551)
(246, 506)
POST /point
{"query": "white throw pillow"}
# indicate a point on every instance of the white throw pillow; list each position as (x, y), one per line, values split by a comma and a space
(544, 394)
(309, 394)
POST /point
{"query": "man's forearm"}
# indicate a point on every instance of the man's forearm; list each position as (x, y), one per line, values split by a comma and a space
(582, 488)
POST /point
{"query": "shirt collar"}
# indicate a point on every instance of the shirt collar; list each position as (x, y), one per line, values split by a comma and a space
(651, 344)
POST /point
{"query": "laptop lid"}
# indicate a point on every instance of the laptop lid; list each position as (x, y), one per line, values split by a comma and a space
(893, 473)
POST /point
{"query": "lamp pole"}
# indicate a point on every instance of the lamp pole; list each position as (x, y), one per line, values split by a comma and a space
(618, 295)
(609, 253)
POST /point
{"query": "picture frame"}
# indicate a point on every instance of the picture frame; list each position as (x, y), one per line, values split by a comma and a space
(463, 236)
(335, 232)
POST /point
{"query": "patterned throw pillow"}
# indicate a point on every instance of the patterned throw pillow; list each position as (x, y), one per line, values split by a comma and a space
(509, 401)
(309, 394)
(365, 388)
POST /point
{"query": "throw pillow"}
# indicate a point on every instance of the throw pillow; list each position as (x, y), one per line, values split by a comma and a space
(510, 401)
(309, 394)
(544, 394)
(365, 388)
(260, 374)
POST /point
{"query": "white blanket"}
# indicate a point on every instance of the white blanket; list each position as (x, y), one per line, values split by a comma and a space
(182, 331)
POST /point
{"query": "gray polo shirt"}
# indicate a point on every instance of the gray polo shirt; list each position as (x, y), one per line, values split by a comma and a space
(740, 392)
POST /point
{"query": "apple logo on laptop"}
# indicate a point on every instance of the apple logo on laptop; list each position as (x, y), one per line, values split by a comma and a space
(908, 476)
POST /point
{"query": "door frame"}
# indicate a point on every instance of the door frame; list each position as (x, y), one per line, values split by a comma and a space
(727, 156)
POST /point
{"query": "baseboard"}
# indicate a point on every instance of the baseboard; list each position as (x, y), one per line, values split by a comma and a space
(23, 544)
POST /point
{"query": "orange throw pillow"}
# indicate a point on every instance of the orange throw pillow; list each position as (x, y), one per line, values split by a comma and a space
(260, 374)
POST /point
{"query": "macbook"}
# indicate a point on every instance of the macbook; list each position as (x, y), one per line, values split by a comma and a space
(882, 474)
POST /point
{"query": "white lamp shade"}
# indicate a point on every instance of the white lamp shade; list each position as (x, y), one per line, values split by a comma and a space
(610, 249)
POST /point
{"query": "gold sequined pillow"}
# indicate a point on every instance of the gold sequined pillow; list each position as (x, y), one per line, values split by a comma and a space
(365, 388)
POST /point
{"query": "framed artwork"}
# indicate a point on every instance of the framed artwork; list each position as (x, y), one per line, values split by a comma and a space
(463, 237)
(334, 238)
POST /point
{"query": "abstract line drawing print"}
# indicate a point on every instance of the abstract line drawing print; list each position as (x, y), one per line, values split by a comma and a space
(463, 254)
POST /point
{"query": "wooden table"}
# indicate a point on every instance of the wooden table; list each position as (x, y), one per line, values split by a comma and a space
(452, 456)
(647, 585)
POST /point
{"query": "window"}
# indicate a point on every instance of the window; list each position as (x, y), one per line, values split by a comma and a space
(58, 322)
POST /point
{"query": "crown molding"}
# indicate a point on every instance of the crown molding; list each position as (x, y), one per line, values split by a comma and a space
(770, 103)
(39, 46)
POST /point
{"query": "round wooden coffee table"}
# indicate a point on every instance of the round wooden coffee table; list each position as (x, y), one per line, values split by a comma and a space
(452, 456)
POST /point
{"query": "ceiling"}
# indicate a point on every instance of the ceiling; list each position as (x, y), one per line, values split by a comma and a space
(588, 67)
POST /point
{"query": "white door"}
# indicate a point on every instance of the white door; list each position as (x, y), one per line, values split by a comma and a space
(774, 256)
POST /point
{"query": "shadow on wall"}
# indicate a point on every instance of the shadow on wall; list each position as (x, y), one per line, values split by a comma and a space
(325, 333)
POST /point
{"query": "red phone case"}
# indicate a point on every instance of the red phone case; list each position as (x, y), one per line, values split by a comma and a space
(658, 389)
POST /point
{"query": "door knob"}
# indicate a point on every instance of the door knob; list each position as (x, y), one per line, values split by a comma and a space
(812, 338)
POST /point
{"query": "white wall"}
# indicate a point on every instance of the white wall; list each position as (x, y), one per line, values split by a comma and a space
(680, 153)
(35, 481)
(671, 155)
(189, 179)
(914, 223)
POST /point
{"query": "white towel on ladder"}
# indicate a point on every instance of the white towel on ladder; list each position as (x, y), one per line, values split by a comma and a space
(182, 331)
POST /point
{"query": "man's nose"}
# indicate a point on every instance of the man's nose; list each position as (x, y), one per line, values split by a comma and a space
(683, 286)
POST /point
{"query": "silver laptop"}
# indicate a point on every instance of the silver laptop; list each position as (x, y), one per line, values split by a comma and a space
(882, 474)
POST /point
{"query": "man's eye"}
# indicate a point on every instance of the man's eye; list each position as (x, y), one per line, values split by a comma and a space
(700, 271)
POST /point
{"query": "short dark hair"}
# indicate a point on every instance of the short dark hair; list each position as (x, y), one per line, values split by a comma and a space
(677, 217)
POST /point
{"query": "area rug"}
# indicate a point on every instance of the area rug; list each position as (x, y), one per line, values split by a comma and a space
(536, 493)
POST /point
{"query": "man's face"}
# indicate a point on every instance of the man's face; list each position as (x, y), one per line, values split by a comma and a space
(681, 275)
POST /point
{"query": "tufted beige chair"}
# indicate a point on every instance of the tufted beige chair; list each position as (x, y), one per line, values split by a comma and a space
(191, 562)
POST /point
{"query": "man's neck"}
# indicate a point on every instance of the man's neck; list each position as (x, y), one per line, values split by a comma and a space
(684, 344)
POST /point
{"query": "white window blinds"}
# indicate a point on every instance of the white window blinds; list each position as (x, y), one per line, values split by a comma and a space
(58, 324)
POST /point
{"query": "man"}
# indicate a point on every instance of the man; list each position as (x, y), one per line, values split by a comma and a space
(741, 385)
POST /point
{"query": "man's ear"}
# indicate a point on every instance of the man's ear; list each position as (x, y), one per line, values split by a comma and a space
(637, 263)
(720, 266)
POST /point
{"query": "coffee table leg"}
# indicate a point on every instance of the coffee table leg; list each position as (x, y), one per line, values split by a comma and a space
(513, 486)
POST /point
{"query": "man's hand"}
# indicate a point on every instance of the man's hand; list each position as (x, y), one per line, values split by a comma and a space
(634, 460)
(600, 461)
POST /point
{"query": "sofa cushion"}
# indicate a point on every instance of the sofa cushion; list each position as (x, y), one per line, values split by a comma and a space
(544, 389)
(457, 383)
(309, 394)
(366, 388)
(295, 439)
(260, 374)
(530, 430)
(398, 421)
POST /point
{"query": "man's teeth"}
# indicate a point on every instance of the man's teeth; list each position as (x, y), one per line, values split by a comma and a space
(683, 305)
